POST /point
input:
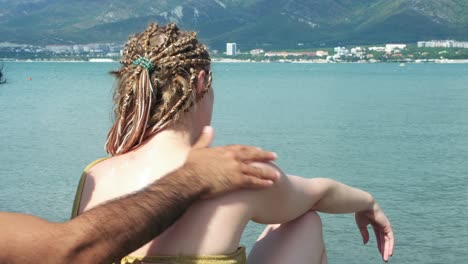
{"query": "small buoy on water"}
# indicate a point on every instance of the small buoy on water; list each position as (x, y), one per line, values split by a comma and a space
(29, 78)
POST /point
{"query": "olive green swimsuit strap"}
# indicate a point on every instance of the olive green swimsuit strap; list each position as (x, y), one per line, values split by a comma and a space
(81, 183)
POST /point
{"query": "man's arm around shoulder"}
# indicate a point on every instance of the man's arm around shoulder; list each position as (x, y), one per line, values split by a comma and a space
(101, 235)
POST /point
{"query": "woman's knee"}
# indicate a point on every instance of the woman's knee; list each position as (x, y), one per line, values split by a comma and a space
(311, 219)
(297, 241)
(306, 227)
(314, 216)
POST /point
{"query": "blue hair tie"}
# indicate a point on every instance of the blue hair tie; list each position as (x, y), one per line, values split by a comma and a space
(144, 62)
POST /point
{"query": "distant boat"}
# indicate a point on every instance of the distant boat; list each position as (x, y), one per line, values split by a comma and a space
(2, 80)
(402, 64)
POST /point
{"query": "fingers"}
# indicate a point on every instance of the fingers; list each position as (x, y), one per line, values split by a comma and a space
(383, 234)
(382, 245)
(386, 248)
(205, 138)
(388, 240)
(260, 171)
(391, 242)
(385, 243)
(378, 239)
(247, 153)
(256, 183)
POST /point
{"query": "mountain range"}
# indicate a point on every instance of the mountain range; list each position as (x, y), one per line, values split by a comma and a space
(268, 24)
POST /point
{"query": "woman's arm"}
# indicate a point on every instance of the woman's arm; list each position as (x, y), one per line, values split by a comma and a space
(338, 198)
(293, 196)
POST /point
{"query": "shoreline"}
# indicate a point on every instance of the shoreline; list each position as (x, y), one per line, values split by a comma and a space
(226, 60)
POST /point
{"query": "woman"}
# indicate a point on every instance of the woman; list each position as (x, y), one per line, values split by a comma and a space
(163, 99)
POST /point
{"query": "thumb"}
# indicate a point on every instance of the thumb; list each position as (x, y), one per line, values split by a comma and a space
(364, 234)
(205, 139)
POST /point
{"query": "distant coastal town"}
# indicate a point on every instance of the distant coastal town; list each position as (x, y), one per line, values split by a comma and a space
(437, 51)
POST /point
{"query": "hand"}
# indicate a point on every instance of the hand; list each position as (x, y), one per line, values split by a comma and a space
(382, 229)
(228, 168)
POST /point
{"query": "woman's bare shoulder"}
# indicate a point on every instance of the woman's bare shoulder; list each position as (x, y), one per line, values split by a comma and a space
(102, 183)
(99, 167)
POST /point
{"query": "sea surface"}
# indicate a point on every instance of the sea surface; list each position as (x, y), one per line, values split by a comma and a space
(400, 133)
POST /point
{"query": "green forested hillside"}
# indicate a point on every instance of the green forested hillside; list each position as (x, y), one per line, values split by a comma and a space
(250, 23)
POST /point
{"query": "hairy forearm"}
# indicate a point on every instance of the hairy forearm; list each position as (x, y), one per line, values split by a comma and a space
(29, 239)
(338, 198)
(111, 231)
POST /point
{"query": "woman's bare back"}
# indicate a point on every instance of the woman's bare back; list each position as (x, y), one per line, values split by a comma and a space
(209, 227)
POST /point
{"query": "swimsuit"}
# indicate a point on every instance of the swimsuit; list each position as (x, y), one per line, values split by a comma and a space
(238, 257)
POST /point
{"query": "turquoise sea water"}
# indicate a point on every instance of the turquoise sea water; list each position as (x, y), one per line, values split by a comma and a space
(399, 132)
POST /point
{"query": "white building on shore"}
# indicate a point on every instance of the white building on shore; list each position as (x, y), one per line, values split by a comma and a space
(257, 51)
(231, 49)
(442, 44)
(377, 48)
(341, 51)
(391, 47)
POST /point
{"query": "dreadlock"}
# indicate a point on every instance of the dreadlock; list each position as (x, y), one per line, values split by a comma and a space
(146, 99)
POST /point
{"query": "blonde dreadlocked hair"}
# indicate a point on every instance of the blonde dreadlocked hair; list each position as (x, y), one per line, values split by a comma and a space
(146, 99)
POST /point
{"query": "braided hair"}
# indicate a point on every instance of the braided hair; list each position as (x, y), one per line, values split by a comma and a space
(149, 96)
